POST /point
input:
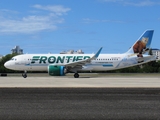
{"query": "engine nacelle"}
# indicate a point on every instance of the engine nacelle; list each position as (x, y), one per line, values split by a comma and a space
(55, 70)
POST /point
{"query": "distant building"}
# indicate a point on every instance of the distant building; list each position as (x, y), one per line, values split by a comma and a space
(1, 56)
(157, 53)
(72, 52)
(17, 50)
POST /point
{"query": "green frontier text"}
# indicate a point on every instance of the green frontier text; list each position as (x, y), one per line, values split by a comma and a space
(57, 59)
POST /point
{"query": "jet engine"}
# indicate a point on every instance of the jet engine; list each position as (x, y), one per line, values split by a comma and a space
(55, 70)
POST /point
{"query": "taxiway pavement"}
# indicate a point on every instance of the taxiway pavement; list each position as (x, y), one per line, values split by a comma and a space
(88, 97)
(82, 82)
(79, 104)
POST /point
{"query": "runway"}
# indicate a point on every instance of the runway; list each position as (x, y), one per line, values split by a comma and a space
(79, 103)
(85, 81)
(88, 97)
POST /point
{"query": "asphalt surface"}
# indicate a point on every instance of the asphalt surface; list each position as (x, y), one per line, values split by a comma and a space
(142, 81)
(79, 103)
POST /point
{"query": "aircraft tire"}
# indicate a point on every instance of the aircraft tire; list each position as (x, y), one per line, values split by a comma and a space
(76, 75)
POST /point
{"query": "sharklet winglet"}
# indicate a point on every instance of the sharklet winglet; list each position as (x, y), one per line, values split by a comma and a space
(98, 52)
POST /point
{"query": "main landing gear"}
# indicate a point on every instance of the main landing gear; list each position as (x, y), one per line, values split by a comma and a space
(76, 75)
(24, 75)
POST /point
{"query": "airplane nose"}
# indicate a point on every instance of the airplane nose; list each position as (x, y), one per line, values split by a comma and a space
(6, 64)
(9, 65)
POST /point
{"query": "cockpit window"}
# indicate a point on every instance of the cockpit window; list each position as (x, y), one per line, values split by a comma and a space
(13, 59)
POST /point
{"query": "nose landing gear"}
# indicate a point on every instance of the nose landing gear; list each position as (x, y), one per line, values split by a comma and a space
(24, 75)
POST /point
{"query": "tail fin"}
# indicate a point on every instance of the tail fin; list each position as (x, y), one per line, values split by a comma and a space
(142, 45)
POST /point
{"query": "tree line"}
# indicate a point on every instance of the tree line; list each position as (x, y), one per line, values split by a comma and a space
(151, 67)
(3, 60)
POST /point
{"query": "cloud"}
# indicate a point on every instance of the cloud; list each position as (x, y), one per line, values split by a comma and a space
(11, 23)
(88, 20)
(113, 0)
(57, 9)
(138, 3)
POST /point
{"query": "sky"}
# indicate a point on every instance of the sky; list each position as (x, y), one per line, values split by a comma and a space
(52, 26)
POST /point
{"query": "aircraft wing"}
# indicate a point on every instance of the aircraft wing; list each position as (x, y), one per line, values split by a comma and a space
(83, 62)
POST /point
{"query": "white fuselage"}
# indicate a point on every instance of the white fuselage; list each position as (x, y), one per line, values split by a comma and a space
(104, 62)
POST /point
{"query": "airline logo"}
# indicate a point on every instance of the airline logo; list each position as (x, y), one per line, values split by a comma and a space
(57, 59)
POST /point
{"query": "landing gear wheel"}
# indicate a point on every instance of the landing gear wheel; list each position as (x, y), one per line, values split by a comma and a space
(76, 75)
(24, 75)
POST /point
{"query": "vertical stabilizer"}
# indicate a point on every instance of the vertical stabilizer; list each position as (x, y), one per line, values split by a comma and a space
(142, 45)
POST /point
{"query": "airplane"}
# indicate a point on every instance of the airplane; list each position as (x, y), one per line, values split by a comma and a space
(60, 64)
